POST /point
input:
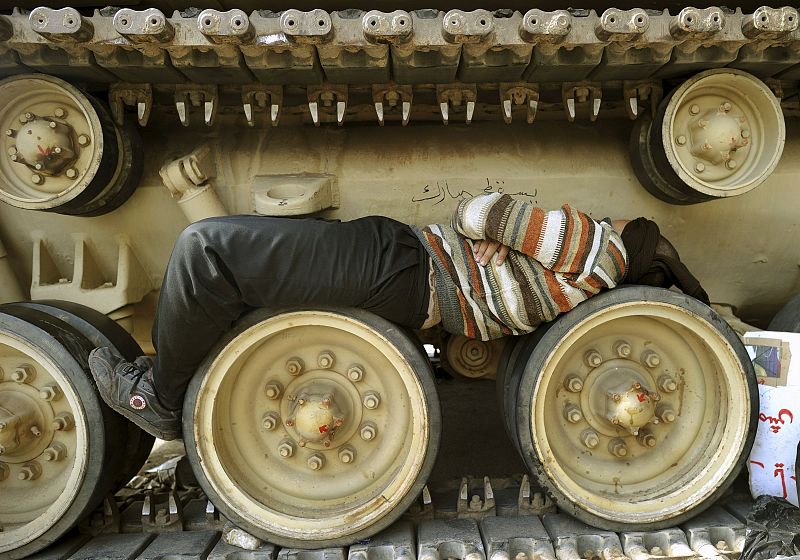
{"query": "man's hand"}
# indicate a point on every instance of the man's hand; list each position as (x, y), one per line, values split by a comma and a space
(485, 249)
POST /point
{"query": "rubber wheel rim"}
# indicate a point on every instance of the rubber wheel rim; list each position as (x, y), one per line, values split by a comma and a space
(788, 318)
(46, 341)
(581, 478)
(342, 508)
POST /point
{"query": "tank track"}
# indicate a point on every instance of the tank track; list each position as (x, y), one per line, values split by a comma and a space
(355, 65)
(500, 521)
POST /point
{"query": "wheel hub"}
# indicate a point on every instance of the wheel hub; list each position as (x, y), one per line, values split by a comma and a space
(316, 414)
(44, 145)
(616, 397)
(20, 424)
(26, 418)
(717, 134)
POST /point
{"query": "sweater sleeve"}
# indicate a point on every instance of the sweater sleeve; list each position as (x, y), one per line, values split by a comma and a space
(564, 241)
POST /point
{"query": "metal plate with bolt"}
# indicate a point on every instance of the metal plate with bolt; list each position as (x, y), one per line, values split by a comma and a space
(635, 410)
(313, 428)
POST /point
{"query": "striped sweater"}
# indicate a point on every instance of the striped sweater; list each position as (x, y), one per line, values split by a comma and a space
(559, 259)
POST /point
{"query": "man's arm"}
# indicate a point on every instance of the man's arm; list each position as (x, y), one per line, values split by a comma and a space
(565, 240)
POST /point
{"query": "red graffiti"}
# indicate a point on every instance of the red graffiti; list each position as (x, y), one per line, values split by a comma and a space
(777, 423)
(323, 429)
(642, 397)
(778, 472)
(46, 152)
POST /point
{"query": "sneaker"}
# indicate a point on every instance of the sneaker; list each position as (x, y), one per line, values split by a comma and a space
(128, 389)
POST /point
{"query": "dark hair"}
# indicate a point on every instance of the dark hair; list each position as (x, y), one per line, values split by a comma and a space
(654, 261)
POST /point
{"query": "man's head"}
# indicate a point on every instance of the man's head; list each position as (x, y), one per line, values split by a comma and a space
(653, 260)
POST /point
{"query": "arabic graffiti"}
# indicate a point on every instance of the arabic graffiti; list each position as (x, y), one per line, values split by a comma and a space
(777, 423)
(778, 472)
(438, 192)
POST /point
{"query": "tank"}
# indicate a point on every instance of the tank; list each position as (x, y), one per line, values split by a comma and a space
(633, 412)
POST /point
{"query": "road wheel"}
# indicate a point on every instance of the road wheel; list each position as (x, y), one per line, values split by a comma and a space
(136, 444)
(61, 150)
(313, 428)
(636, 409)
(57, 433)
(719, 134)
(788, 318)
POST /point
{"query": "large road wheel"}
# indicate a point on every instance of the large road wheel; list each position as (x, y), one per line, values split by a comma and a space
(313, 428)
(136, 444)
(61, 150)
(56, 432)
(636, 409)
(788, 318)
(719, 134)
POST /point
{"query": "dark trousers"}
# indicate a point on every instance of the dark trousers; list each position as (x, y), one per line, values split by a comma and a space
(222, 267)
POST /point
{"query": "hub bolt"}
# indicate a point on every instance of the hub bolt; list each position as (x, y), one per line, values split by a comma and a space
(52, 124)
(371, 400)
(573, 414)
(618, 448)
(726, 107)
(368, 431)
(623, 349)
(294, 366)
(700, 167)
(71, 173)
(651, 359)
(694, 109)
(325, 360)
(270, 421)
(59, 113)
(55, 452)
(731, 164)
(573, 384)
(36, 431)
(665, 414)
(286, 449)
(681, 140)
(30, 471)
(83, 140)
(23, 374)
(355, 373)
(593, 358)
(10, 132)
(347, 455)
(37, 179)
(4, 471)
(667, 384)
(590, 439)
(646, 439)
(316, 462)
(63, 422)
(14, 157)
(745, 133)
(273, 390)
(50, 393)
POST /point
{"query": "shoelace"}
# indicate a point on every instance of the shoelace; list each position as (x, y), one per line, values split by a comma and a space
(134, 371)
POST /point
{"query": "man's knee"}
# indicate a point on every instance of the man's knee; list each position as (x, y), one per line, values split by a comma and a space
(199, 235)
